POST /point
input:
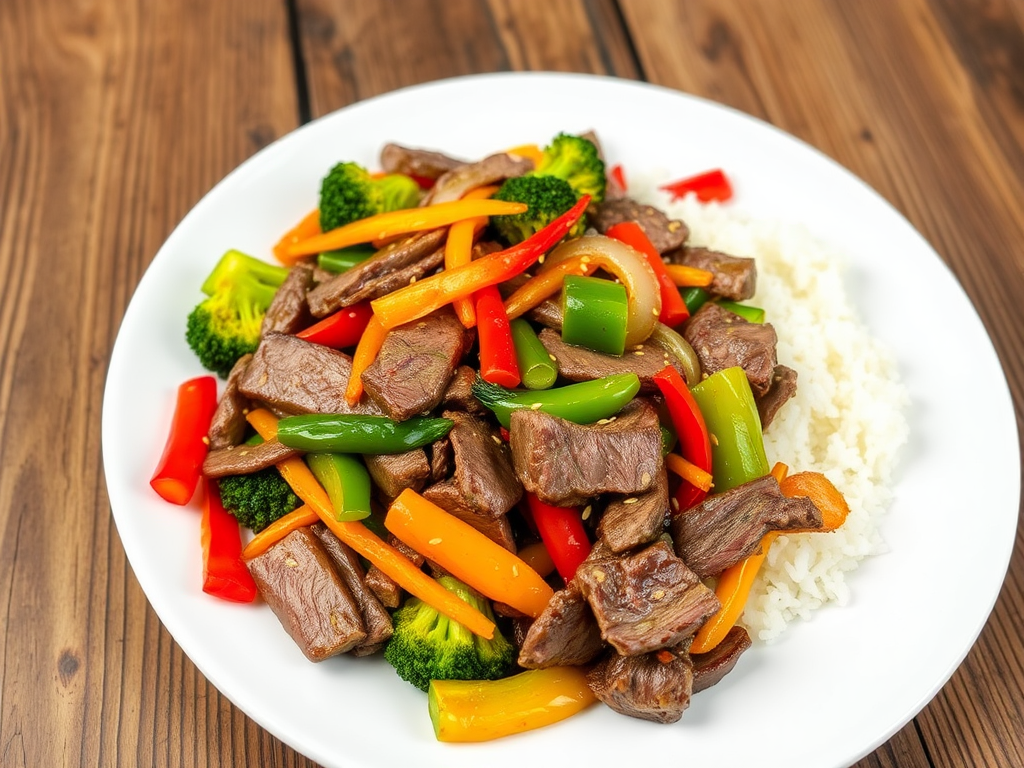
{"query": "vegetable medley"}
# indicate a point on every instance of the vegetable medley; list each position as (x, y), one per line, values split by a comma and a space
(499, 422)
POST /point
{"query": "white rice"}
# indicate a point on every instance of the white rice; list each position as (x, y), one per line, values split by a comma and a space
(846, 421)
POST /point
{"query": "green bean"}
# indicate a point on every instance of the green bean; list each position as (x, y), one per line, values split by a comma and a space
(536, 368)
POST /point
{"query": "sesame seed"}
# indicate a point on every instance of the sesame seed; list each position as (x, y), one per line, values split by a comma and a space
(541, 259)
(630, 500)
(645, 478)
(206, 440)
(675, 503)
(586, 512)
(552, 358)
(536, 406)
(585, 259)
(600, 576)
(658, 594)
(638, 353)
(496, 439)
(434, 542)
(603, 421)
(655, 311)
(515, 569)
(291, 562)
(412, 279)
(714, 439)
(421, 325)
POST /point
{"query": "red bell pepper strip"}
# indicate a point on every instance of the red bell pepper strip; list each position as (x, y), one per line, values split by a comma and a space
(498, 363)
(561, 530)
(424, 296)
(181, 465)
(708, 186)
(673, 308)
(342, 329)
(224, 574)
(692, 432)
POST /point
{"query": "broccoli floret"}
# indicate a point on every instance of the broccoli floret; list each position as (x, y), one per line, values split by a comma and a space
(258, 499)
(226, 325)
(576, 160)
(427, 645)
(548, 198)
(349, 193)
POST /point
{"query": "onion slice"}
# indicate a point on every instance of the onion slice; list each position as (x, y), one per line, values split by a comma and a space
(631, 268)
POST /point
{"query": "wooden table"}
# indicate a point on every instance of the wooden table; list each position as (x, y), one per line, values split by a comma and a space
(117, 116)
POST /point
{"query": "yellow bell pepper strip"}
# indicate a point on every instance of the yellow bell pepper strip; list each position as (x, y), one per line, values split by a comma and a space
(467, 554)
(308, 227)
(277, 530)
(481, 710)
(546, 284)
(424, 296)
(366, 352)
(368, 544)
(224, 574)
(406, 221)
(458, 250)
(684, 276)
(181, 465)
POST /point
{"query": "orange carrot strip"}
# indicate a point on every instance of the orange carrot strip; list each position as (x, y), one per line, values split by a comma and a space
(308, 227)
(366, 352)
(779, 471)
(689, 277)
(546, 284)
(458, 250)
(537, 557)
(466, 553)
(689, 471)
(366, 543)
(529, 151)
(405, 221)
(825, 496)
(278, 529)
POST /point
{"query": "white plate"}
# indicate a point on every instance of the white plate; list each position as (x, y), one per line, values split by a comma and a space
(833, 688)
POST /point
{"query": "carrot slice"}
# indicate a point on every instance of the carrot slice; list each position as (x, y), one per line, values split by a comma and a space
(277, 530)
(689, 277)
(466, 553)
(458, 250)
(689, 471)
(305, 229)
(820, 490)
(779, 471)
(366, 352)
(366, 543)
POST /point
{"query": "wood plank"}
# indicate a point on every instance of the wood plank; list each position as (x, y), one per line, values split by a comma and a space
(112, 127)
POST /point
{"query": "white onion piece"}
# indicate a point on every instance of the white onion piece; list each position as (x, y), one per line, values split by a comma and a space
(633, 271)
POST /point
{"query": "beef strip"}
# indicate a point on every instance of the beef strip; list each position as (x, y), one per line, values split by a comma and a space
(635, 520)
(582, 364)
(392, 473)
(493, 169)
(415, 365)
(227, 428)
(723, 339)
(565, 633)
(297, 579)
(647, 600)
(548, 313)
(459, 394)
(565, 463)
(727, 527)
(441, 460)
(289, 312)
(447, 496)
(423, 163)
(383, 586)
(664, 233)
(376, 619)
(709, 668)
(389, 268)
(735, 277)
(649, 686)
(484, 475)
(782, 388)
(294, 376)
(245, 459)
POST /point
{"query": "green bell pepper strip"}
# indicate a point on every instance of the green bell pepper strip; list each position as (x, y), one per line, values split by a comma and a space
(344, 258)
(345, 433)
(746, 311)
(737, 443)
(594, 314)
(535, 365)
(695, 298)
(582, 403)
(346, 481)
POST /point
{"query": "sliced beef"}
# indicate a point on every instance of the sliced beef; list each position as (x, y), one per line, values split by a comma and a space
(565, 633)
(423, 163)
(631, 521)
(227, 428)
(245, 459)
(735, 277)
(727, 527)
(289, 312)
(415, 365)
(782, 388)
(484, 475)
(650, 686)
(295, 376)
(447, 496)
(582, 364)
(393, 266)
(493, 169)
(709, 668)
(376, 619)
(459, 394)
(548, 313)
(645, 601)
(383, 586)
(441, 460)
(664, 233)
(723, 339)
(565, 463)
(297, 579)
(394, 472)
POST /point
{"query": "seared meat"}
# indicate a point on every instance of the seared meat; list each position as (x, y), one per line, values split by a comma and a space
(245, 459)
(582, 364)
(459, 394)
(634, 520)
(416, 162)
(664, 233)
(782, 388)
(493, 169)
(289, 312)
(650, 686)
(723, 339)
(440, 459)
(735, 277)
(297, 579)
(565, 463)
(415, 365)
(709, 668)
(392, 473)
(645, 601)
(447, 496)
(727, 527)
(484, 476)
(565, 633)
(548, 313)
(383, 586)
(227, 428)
